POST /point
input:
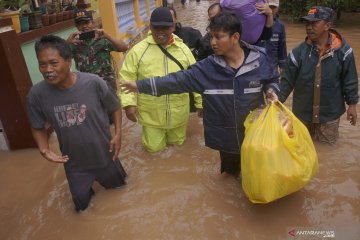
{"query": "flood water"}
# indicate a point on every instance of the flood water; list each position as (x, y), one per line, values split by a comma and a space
(179, 192)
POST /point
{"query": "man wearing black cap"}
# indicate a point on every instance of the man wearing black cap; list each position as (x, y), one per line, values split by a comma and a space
(91, 48)
(322, 73)
(164, 119)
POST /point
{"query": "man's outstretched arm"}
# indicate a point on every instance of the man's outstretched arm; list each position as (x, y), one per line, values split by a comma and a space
(174, 83)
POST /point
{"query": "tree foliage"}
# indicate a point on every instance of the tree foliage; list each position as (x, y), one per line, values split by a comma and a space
(298, 8)
(14, 5)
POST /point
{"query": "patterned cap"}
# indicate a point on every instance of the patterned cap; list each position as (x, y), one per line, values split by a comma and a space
(83, 15)
(318, 13)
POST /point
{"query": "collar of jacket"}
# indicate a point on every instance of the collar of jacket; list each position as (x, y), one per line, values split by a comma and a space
(251, 62)
(335, 40)
(149, 39)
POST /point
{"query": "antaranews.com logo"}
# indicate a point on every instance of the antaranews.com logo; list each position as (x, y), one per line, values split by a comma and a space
(297, 233)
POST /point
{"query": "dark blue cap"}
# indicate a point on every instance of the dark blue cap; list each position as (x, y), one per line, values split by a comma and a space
(161, 17)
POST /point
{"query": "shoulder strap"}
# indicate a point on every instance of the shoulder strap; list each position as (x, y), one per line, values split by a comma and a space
(170, 56)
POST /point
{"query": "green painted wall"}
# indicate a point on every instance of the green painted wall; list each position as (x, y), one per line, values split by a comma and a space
(30, 56)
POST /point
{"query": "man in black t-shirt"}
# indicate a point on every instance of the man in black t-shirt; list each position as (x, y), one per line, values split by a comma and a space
(76, 106)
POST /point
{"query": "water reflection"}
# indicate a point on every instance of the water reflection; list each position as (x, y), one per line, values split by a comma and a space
(179, 193)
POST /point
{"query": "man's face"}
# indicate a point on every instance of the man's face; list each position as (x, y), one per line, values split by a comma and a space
(53, 67)
(85, 26)
(314, 30)
(222, 43)
(212, 13)
(162, 34)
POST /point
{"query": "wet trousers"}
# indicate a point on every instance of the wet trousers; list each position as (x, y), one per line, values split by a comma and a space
(156, 139)
(230, 163)
(80, 183)
(324, 132)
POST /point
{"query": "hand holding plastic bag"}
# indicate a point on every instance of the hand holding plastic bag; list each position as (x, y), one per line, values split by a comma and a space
(278, 156)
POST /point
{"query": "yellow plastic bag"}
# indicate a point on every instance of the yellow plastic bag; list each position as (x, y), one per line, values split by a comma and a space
(275, 160)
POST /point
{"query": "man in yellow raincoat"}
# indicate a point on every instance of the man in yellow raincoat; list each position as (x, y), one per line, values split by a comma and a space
(164, 119)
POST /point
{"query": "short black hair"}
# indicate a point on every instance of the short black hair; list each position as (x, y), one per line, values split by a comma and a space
(54, 42)
(225, 21)
(213, 6)
(172, 9)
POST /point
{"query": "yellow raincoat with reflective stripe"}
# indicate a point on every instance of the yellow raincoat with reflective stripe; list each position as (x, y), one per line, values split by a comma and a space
(146, 60)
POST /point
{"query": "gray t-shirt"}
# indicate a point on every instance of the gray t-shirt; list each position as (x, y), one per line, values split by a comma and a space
(79, 118)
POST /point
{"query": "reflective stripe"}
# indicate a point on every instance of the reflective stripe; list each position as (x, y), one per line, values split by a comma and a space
(275, 86)
(253, 90)
(293, 59)
(347, 53)
(219, 91)
(153, 86)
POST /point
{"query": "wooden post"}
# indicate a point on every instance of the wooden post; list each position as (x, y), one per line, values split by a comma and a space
(110, 24)
(15, 85)
(137, 13)
(148, 8)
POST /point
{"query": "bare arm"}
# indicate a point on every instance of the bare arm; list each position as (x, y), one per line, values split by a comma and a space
(351, 114)
(131, 113)
(118, 43)
(115, 143)
(73, 38)
(266, 10)
(129, 87)
(130, 110)
(41, 139)
(271, 95)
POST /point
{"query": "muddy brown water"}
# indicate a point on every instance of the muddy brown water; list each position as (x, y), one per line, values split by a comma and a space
(179, 192)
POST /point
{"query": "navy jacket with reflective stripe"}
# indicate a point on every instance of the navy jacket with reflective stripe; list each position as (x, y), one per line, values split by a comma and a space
(228, 96)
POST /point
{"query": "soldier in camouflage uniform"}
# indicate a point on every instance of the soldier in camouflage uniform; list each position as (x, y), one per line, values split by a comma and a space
(93, 55)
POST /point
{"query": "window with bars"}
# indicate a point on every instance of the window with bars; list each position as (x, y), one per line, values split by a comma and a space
(152, 5)
(142, 10)
(125, 15)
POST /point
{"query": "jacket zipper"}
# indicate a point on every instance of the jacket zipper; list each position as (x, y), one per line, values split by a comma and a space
(235, 115)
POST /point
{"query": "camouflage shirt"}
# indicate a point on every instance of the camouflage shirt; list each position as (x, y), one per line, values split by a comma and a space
(93, 56)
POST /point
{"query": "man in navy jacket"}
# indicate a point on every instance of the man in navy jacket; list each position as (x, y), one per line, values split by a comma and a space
(276, 45)
(232, 83)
